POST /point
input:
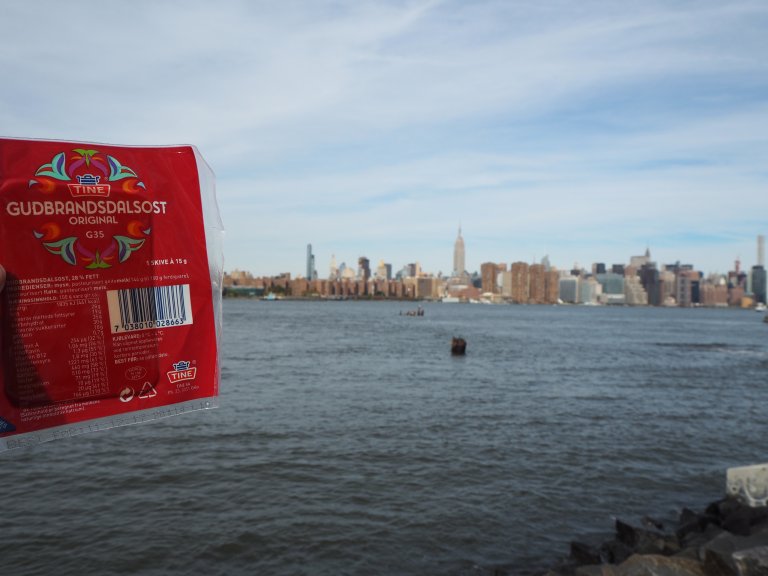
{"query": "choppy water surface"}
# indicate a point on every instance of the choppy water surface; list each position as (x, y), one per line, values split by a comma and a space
(349, 441)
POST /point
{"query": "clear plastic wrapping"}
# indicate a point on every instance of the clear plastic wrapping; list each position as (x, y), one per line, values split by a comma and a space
(111, 313)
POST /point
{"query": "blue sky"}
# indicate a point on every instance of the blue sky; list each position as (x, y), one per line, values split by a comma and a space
(585, 131)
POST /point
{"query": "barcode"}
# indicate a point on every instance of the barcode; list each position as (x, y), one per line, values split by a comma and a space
(147, 308)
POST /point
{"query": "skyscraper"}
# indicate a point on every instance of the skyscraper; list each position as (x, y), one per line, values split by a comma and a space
(310, 263)
(761, 250)
(311, 273)
(459, 265)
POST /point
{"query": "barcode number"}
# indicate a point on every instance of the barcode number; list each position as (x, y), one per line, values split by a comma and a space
(149, 308)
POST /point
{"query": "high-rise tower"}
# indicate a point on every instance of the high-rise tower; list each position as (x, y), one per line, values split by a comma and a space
(761, 250)
(459, 265)
(310, 263)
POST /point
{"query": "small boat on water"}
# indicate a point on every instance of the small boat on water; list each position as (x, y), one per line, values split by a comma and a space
(418, 312)
(760, 307)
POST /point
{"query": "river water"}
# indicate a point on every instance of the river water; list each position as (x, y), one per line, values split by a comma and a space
(349, 441)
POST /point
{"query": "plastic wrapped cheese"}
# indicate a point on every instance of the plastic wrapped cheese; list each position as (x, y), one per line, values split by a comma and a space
(111, 312)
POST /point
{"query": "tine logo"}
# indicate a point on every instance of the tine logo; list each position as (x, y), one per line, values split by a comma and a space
(88, 185)
(181, 371)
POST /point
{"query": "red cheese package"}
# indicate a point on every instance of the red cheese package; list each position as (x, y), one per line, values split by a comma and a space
(111, 312)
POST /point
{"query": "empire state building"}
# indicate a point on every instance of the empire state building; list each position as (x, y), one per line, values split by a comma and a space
(459, 266)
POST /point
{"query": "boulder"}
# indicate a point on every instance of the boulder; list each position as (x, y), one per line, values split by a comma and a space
(596, 570)
(691, 522)
(645, 541)
(584, 554)
(615, 552)
(737, 517)
(691, 545)
(720, 554)
(655, 565)
(752, 562)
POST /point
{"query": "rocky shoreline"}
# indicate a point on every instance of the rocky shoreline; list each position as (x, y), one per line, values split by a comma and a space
(729, 538)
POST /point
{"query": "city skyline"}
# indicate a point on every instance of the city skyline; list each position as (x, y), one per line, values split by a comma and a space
(459, 256)
(583, 131)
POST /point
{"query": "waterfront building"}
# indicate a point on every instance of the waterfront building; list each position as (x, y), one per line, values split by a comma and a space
(428, 288)
(506, 284)
(490, 274)
(238, 278)
(536, 283)
(667, 288)
(298, 287)
(318, 287)
(380, 288)
(687, 288)
(634, 293)
(612, 288)
(598, 268)
(611, 283)
(714, 294)
(589, 290)
(520, 283)
(569, 289)
(649, 278)
(761, 250)
(736, 295)
(410, 287)
(551, 286)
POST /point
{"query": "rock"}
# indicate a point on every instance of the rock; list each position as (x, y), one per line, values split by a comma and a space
(744, 519)
(729, 539)
(583, 554)
(655, 565)
(719, 554)
(738, 517)
(721, 508)
(690, 522)
(596, 570)
(649, 522)
(752, 562)
(645, 541)
(693, 542)
(615, 552)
